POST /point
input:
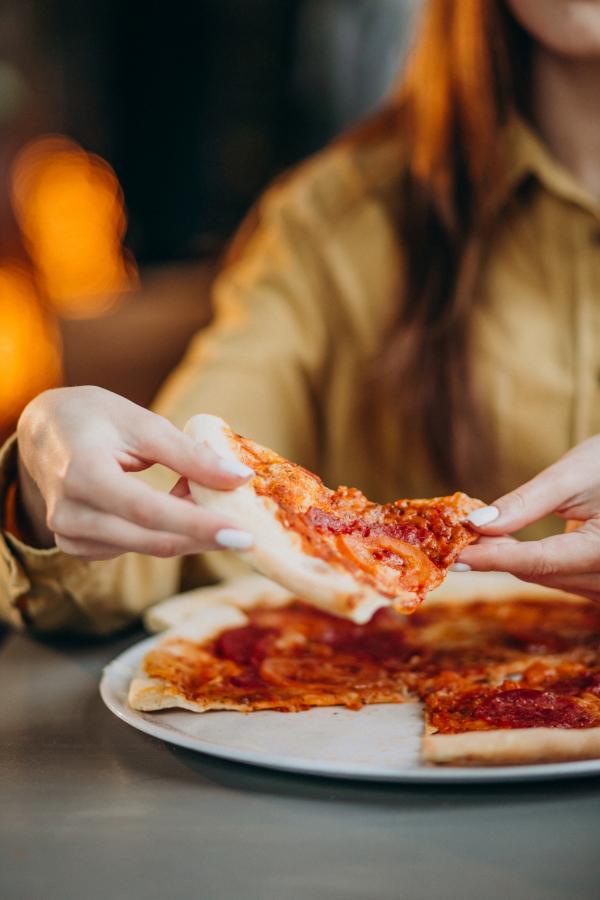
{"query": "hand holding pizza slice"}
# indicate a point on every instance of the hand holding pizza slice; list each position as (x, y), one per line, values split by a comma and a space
(570, 489)
(336, 549)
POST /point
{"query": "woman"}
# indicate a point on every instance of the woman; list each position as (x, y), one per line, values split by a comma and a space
(417, 309)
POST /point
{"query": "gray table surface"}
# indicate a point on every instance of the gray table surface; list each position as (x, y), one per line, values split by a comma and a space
(90, 808)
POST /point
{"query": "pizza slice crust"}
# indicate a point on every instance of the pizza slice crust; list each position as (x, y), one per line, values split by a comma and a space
(153, 694)
(493, 587)
(243, 592)
(511, 746)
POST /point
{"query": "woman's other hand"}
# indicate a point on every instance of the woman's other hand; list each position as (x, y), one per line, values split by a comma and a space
(570, 488)
(76, 448)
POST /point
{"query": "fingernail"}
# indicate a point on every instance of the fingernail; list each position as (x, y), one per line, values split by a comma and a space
(460, 567)
(484, 515)
(233, 467)
(233, 539)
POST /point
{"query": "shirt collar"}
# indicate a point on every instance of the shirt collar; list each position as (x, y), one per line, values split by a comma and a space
(525, 156)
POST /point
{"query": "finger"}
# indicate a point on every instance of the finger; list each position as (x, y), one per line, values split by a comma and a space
(559, 555)
(166, 444)
(486, 539)
(483, 541)
(587, 585)
(107, 489)
(96, 550)
(544, 494)
(88, 550)
(76, 522)
(157, 544)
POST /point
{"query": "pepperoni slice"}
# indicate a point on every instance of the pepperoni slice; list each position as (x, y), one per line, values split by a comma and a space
(245, 645)
(527, 708)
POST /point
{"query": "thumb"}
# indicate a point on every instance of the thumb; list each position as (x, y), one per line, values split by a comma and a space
(533, 500)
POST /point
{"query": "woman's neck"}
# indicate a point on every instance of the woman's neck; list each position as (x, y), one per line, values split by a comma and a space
(566, 112)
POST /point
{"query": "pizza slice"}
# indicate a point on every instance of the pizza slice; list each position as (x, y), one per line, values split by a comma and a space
(286, 658)
(336, 549)
(509, 722)
(514, 681)
(523, 687)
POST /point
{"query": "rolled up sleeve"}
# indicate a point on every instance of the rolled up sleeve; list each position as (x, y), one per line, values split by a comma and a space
(49, 591)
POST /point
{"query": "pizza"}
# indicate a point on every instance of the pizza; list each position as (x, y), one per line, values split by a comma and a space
(336, 549)
(507, 678)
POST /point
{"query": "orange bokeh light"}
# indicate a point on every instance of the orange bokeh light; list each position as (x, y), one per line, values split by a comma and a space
(69, 206)
(29, 343)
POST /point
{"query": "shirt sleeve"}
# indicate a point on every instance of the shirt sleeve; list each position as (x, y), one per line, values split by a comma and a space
(259, 365)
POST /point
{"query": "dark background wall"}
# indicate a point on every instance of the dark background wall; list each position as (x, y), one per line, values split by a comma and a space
(196, 105)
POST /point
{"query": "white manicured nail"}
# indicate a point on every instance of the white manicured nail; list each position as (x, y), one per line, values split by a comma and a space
(233, 539)
(483, 516)
(460, 567)
(233, 467)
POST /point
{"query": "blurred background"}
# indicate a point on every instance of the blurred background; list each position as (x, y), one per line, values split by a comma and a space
(134, 136)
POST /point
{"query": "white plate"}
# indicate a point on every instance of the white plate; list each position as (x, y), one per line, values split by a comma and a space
(379, 743)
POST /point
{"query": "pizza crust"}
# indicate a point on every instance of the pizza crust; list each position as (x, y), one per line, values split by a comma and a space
(152, 694)
(493, 587)
(517, 746)
(278, 552)
(243, 593)
(248, 591)
(149, 694)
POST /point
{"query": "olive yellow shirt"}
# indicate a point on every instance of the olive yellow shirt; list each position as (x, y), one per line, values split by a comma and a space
(301, 313)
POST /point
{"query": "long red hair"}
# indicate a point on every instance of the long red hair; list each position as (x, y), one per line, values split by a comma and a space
(468, 71)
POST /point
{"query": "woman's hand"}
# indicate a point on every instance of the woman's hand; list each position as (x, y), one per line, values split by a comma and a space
(571, 489)
(76, 446)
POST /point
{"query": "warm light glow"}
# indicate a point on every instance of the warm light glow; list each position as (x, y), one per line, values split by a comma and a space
(70, 210)
(29, 344)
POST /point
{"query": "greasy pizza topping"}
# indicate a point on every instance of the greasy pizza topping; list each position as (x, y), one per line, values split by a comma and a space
(433, 527)
(582, 684)
(292, 659)
(509, 630)
(508, 707)
(527, 708)
(465, 661)
(246, 645)
(395, 547)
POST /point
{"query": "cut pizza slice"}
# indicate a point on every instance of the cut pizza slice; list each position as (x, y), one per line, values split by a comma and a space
(286, 658)
(336, 549)
(511, 679)
(509, 723)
